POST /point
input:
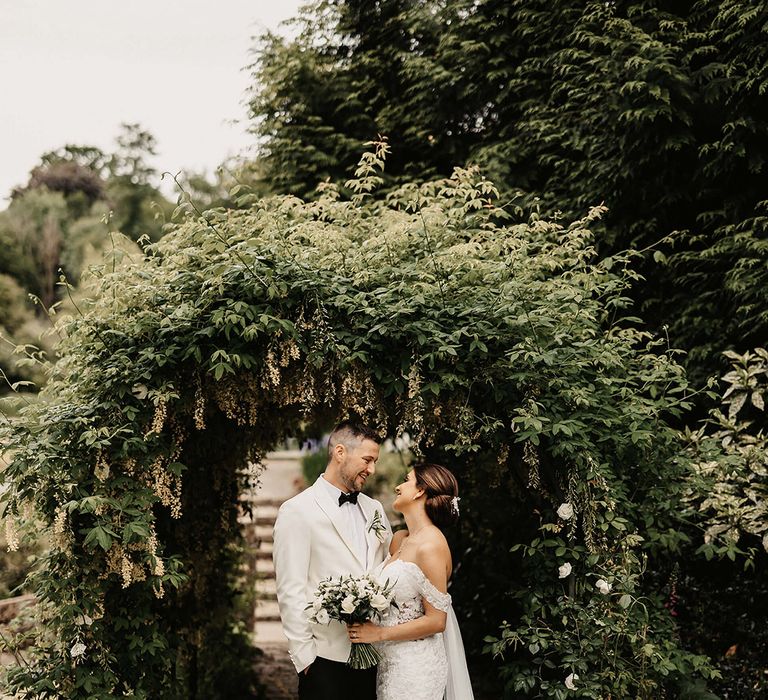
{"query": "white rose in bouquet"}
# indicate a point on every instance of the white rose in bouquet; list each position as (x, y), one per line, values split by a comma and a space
(349, 604)
(322, 617)
(379, 602)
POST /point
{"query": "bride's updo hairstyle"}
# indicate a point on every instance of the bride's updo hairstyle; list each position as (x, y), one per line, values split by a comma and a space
(441, 490)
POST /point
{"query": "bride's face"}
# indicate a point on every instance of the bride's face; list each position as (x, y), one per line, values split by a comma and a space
(407, 492)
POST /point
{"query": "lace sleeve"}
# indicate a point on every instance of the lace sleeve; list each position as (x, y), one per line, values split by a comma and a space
(441, 601)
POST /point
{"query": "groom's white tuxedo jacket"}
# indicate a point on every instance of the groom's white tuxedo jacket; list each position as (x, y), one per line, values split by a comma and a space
(311, 543)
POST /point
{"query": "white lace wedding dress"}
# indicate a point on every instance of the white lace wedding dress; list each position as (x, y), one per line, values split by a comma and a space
(433, 668)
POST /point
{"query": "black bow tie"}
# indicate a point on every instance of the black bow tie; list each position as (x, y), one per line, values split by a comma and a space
(348, 498)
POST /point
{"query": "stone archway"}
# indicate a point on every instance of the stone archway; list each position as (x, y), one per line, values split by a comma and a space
(422, 312)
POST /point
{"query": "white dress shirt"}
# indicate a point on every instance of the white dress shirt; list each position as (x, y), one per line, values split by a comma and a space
(354, 520)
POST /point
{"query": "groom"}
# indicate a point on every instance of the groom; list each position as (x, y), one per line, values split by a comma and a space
(330, 529)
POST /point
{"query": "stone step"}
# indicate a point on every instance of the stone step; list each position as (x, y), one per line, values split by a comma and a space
(261, 569)
(267, 618)
(260, 502)
(258, 534)
(266, 585)
(265, 511)
(264, 566)
(263, 533)
(267, 611)
(257, 518)
(284, 456)
(271, 632)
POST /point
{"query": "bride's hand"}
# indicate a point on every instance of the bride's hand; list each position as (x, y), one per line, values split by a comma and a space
(364, 633)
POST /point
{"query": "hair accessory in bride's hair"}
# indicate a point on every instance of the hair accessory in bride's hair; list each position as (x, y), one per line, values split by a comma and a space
(455, 505)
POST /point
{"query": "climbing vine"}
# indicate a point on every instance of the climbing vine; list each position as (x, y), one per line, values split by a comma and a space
(505, 350)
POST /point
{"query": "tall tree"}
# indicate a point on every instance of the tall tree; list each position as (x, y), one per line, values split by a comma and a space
(34, 227)
(355, 69)
(139, 206)
(125, 180)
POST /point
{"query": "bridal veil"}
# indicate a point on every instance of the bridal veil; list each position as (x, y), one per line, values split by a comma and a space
(459, 686)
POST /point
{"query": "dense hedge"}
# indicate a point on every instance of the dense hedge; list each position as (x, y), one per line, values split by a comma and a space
(653, 107)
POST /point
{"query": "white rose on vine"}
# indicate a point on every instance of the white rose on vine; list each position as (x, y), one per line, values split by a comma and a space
(570, 681)
(603, 586)
(565, 511)
(564, 570)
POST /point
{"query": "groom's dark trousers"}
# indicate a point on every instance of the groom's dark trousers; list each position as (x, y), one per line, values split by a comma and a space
(334, 680)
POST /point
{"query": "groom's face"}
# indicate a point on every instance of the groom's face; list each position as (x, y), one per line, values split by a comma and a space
(358, 464)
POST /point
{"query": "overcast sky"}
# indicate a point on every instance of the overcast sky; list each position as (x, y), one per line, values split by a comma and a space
(72, 70)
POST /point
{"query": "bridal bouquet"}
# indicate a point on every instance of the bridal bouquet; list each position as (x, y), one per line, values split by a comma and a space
(351, 600)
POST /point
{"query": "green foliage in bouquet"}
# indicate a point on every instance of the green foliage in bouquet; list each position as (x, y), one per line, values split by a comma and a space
(505, 349)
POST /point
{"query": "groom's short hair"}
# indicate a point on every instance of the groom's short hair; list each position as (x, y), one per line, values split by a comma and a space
(348, 433)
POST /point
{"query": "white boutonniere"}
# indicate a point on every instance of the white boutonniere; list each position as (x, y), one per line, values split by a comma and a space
(377, 526)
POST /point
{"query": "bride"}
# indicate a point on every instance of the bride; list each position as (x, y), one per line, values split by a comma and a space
(419, 639)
